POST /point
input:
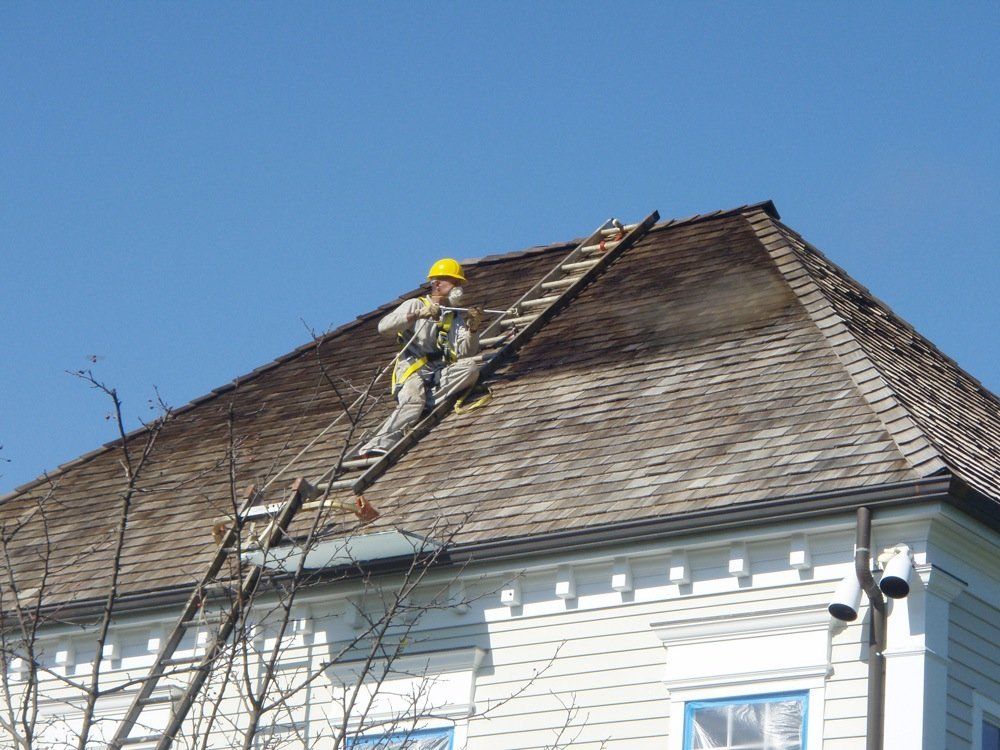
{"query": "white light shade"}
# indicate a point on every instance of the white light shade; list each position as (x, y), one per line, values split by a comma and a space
(895, 581)
(846, 599)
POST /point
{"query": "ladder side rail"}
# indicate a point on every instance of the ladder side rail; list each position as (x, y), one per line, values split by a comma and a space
(273, 535)
(275, 531)
(445, 405)
(496, 325)
(173, 640)
(554, 308)
(158, 669)
(204, 667)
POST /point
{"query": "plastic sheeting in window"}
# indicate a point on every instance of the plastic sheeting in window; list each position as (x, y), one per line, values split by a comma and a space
(436, 740)
(754, 724)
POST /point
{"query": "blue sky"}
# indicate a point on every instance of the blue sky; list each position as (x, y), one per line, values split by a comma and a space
(186, 187)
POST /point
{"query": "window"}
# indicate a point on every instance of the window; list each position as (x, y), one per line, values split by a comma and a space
(985, 723)
(991, 736)
(426, 739)
(762, 722)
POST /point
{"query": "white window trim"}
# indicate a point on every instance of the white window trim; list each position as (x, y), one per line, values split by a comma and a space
(430, 663)
(983, 709)
(809, 676)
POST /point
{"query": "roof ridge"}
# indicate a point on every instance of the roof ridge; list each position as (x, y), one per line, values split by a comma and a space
(766, 206)
(919, 450)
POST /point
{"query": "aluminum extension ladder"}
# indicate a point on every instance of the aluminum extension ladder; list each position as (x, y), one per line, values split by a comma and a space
(500, 341)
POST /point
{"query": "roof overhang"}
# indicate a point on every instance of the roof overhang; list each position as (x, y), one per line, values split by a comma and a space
(943, 488)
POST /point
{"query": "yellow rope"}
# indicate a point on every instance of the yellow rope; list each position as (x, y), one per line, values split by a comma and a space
(461, 408)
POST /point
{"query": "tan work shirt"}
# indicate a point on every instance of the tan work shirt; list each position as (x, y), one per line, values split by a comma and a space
(424, 332)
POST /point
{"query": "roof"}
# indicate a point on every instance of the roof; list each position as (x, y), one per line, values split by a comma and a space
(722, 362)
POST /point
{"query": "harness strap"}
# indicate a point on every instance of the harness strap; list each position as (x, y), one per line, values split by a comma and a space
(445, 351)
(397, 382)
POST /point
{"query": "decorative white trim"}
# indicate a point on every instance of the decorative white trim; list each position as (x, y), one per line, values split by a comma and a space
(739, 560)
(65, 656)
(422, 663)
(799, 554)
(155, 639)
(111, 706)
(565, 583)
(458, 598)
(111, 648)
(815, 673)
(303, 622)
(354, 613)
(744, 625)
(891, 653)
(940, 582)
(621, 575)
(679, 570)
(510, 595)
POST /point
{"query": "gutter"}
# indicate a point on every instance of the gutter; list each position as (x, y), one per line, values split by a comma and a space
(930, 489)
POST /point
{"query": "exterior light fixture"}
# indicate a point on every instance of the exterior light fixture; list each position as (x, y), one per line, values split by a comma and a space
(895, 582)
(897, 565)
(846, 599)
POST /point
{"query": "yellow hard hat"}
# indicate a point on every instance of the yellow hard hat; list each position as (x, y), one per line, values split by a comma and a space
(448, 268)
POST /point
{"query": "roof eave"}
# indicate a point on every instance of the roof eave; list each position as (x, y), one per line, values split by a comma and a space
(940, 488)
(931, 489)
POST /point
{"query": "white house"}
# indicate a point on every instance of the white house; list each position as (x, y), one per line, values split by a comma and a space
(634, 544)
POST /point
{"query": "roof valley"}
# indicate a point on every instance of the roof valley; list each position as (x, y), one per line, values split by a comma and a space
(913, 442)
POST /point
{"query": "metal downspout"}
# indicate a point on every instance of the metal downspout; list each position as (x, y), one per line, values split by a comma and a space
(876, 630)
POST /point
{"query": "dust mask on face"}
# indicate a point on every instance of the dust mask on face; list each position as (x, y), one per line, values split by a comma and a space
(455, 297)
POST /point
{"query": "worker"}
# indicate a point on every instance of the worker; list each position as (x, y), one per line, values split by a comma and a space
(437, 354)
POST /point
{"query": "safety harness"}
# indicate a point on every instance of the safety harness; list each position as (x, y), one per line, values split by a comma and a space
(445, 351)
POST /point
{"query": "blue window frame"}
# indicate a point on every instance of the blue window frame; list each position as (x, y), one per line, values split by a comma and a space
(422, 739)
(753, 722)
(991, 736)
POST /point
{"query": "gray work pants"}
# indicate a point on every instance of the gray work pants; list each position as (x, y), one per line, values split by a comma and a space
(416, 394)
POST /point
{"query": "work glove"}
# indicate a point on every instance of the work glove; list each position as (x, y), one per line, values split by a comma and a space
(430, 312)
(474, 319)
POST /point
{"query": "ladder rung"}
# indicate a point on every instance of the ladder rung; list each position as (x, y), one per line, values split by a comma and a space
(493, 340)
(582, 265)
(540, 301)
(560, 283)
(342, 505)
(523, 320)
(157, 700)
(141, 739)
(592, 249)
(359, 463)
(181, 661)
(612, 231)
(340, 484)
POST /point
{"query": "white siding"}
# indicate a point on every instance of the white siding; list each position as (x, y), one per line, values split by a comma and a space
(974, 653)
(593, 668)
